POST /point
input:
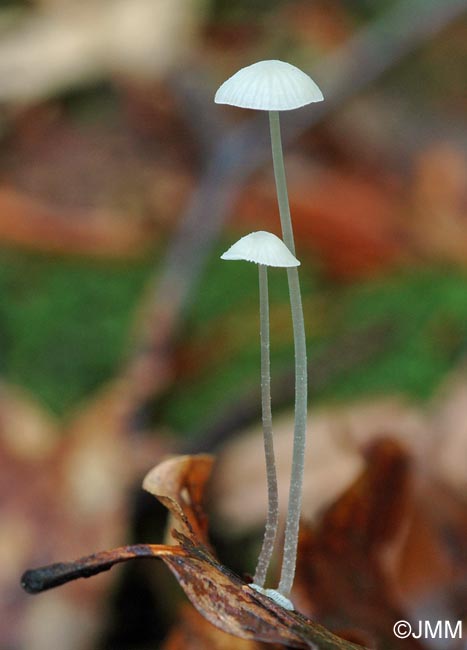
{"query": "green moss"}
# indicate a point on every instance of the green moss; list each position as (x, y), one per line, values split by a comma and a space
(64, 323)
(64, 331)
(425, 309)
(227, 287)
(225, 314)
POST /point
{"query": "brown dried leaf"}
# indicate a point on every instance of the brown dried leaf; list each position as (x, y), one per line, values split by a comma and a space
(325, 23)
(344, 570)
(34, 224)
(225, 600)
(194, 632)
(53, 575)
(52, 50)
(334, 458)
(179, 484)
(388, 547)
(58, 492)
(431, 570)
(220, 596)
(449, 445)
(438, 195)
(348, 220)
(370, 514)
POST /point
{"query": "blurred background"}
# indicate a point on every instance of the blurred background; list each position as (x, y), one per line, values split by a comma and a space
(124, 338)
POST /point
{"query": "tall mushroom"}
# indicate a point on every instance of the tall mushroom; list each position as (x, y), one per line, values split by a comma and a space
(265, 249)
(275, 86)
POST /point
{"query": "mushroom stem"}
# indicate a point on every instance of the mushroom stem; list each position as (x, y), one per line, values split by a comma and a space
(298, 458)
(273, 502)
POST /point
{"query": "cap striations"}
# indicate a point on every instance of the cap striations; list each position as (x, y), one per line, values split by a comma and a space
(269, 86)
(261, 247)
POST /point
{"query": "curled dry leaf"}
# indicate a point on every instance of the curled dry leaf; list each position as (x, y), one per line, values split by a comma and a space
(430, 570)
(334, 457)
(392, 544)
(239, 477)
(194, 632)
(344, 566)
(221, 596)
(179, 484)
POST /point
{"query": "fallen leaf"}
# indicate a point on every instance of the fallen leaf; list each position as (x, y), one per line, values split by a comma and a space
(449, 440)
(392, 547)
(54, 49)
(343, 570)
(325, 24)
(437, 198)
(179, 484)
(345, 218)
(194, 632)
(334, 458)
(430, 572)
(221, 596)
(48, 504)
(239, 478)
(27, 222)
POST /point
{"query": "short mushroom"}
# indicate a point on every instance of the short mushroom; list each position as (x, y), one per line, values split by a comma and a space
(275, 86)
(265, 249)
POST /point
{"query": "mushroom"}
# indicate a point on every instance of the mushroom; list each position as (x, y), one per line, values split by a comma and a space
(275, 86)
(265, 249)
(269, 86)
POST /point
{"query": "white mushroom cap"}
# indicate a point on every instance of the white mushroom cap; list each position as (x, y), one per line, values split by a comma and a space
(269, 86)
(262, 248)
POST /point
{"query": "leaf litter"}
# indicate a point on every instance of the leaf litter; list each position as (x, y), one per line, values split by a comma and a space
(221, 596)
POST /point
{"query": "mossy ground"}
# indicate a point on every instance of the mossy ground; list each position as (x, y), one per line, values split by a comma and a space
(65, 328)
(64, 323)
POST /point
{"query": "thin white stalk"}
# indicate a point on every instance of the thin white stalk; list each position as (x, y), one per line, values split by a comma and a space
(301, 378)
(273, 502)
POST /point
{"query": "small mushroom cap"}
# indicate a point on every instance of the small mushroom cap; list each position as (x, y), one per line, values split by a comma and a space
(262, 248)
(269, 86)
